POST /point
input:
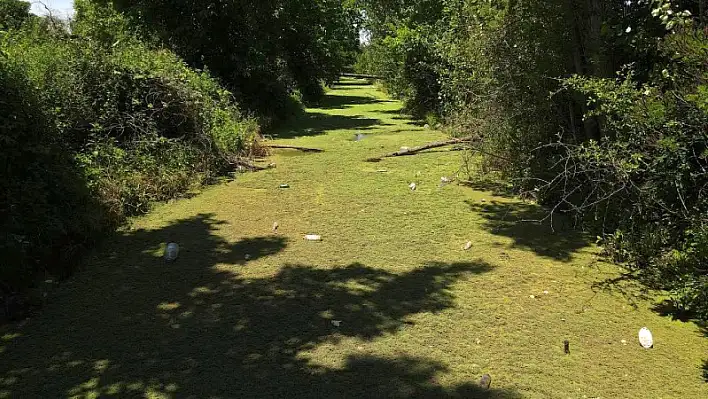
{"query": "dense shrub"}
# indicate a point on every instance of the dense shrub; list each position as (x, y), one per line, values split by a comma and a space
(13, 13)
(597, 109)
(95, 130)
(46, 210)
(137, 117)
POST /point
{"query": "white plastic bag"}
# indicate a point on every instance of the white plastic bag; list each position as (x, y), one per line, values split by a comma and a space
(645, 338)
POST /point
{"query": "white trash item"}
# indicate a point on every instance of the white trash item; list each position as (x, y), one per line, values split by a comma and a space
(413, 186)
(171, 252)
(645, 338)
(313, 237)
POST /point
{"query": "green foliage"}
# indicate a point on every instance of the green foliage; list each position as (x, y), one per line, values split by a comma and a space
(100, 118)
(645, 181)
(597, 109)
(13, 13)
(261, 50)
(46, 210)
(403, 51)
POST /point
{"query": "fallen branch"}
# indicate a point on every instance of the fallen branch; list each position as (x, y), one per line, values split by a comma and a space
(415, 150)
(293, 147)
(243, 164)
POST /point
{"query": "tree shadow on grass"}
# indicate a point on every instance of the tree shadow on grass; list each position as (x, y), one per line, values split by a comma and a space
(516, 221)
(669, 308)
(351, 84)
(133, 325)
(497, 189)
(399, 112)
(341, 102)
(359, 82)
(627, 285)
(316, 123)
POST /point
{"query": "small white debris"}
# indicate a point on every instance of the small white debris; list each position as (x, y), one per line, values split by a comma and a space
(444, 180)
(272, 165)
(275, 227)
(413, 186)
(624, 342)
(247, 257)
(545, 292)
(336, 323)
(426, 126)
(171, 252)
(645, 338)
(628, 30)
(477, 341)
(483, 200)
(468, 245)
(532, 296)
(405, 149)
(381, 171)
(313, 237)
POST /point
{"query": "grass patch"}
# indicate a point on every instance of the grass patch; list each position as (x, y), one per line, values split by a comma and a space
(419, 316)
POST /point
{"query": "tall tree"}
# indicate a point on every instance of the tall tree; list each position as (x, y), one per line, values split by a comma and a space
(261, 50)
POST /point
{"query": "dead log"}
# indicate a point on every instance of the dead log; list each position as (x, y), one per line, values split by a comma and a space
(415, 150)
(293, 147)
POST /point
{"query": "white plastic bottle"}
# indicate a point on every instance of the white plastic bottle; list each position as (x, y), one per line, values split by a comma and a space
(171, 252)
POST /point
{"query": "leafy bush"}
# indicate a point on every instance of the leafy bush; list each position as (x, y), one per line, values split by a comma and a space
(95, 131)
(643, 184)
(597, 109)
(47, 212)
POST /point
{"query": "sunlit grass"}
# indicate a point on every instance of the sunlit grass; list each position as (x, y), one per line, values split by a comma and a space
(419, 315)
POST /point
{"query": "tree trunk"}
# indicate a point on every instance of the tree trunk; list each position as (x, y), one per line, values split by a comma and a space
(578, 45)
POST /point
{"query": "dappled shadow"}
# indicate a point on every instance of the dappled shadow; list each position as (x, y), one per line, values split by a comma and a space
(668, 308)
(399, 112)
(316, 123)
(133, 325)
(628, 285)
(340, 102)
(495, 188)
(351, 82)
(516, 221)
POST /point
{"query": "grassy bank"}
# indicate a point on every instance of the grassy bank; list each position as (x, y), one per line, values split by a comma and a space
(420, 317)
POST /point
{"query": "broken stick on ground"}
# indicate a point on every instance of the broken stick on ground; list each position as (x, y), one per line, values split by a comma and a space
(415, 150)
(242, 163)
(293, 147)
